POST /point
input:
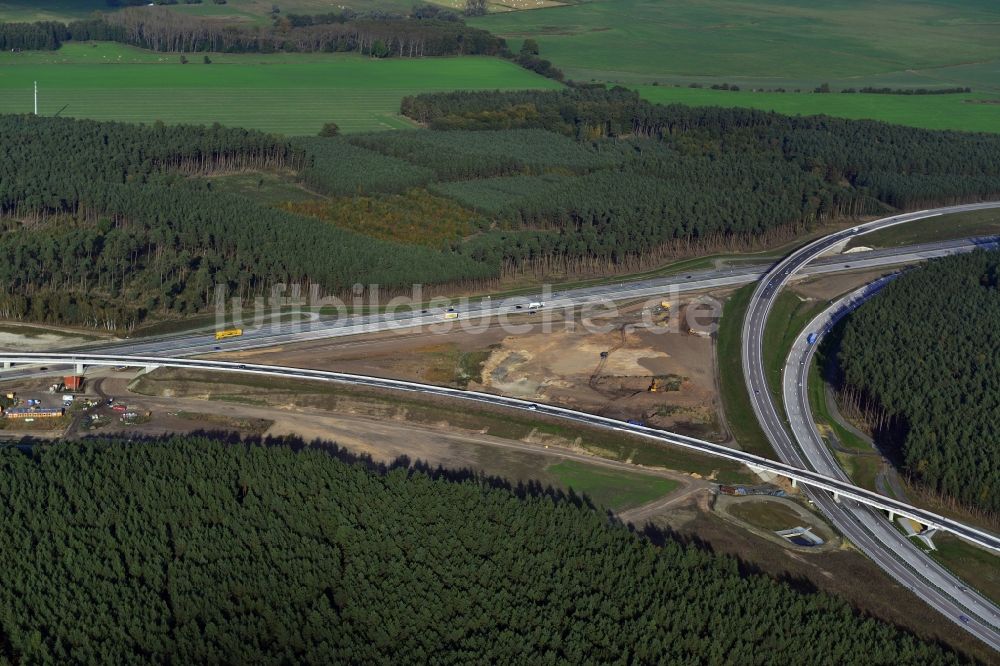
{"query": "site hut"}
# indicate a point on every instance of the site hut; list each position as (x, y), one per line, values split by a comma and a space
(33, 413)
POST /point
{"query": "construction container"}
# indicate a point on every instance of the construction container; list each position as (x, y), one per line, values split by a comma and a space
(73, 382)
(26, 413)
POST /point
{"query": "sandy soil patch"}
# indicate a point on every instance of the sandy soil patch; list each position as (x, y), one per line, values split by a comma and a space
(17, 342)
(563, 367)
(611, 374)
(826, 287)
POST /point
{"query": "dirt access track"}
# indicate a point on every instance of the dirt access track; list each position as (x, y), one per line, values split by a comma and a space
(363, 426)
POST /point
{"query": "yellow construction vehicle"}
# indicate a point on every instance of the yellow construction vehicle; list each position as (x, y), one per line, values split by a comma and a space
(228, 333)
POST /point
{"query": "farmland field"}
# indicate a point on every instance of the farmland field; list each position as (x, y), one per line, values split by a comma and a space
(793, 44)
(245, 11)
(293, 94)
(972, 112)
(49, 10)
(260, 10)
(769, 43)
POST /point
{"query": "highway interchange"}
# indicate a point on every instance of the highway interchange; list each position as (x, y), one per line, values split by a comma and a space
(865, 527)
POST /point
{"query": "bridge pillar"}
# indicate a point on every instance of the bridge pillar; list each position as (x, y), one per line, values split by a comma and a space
(795, 483)
(79, 368)
(7, 365)
(150, 368)
(836, 497)
(892, 516)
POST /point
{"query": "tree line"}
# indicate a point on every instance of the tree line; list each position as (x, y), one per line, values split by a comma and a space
(908, 91)
(164, 30)
(205, 550)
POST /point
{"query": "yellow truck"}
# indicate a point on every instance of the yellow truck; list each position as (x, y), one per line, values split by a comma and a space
(228, 333)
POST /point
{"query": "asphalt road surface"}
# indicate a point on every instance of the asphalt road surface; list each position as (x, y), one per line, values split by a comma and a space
(867, 529)
(805, 476)
(203, 342)
(858, 530)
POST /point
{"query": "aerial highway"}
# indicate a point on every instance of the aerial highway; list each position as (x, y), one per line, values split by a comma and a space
(868, 529)
(840, 487)
(795, 393)
(203, 342)
(169, 350)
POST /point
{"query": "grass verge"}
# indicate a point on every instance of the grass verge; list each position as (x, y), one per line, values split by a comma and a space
(934, 229)
(735, 402)
(612, 489)
(973, 565)
(789, 315)
(821, 413)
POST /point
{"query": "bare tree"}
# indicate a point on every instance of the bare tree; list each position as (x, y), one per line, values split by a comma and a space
(476, 7)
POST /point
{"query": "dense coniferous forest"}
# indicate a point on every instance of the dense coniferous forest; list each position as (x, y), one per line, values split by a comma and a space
(900, 166)
(190, 550)
(595, 179)
(922, 361)
(108, 224)
(102, 227)
(338, 167)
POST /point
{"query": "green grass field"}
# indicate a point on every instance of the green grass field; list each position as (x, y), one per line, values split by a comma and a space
(933, 229)
(49, 10)
(971, 112)
(767, 515)
(245, 11)
(782, 43)
(610, 488)
(770, 42)
(288, 93)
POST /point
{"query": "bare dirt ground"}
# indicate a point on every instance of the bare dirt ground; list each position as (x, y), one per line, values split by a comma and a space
(559, 367)
(827, 287)
(11, 340)
(426, 357)
(383, 437)
(568, 369)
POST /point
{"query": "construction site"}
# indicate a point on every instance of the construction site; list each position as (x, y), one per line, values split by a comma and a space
(644, 364)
